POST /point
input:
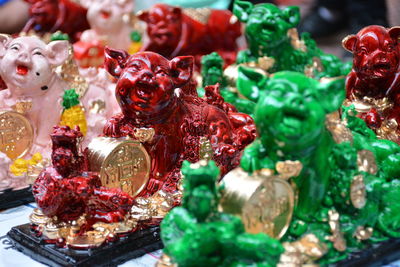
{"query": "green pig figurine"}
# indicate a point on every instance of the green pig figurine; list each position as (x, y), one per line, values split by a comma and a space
(271, 33)
(196, 234)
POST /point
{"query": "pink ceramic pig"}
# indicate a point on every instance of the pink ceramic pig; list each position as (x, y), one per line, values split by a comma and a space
(27, 67)
(5, 162)
(109, 22)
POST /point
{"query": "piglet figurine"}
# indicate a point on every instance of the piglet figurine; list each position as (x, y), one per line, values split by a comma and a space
(374, 81)
(27, 67)
(155, 93)
(109, 25)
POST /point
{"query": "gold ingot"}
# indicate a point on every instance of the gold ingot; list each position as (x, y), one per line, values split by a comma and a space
(265, 203)
(121, 162)
(16, 134)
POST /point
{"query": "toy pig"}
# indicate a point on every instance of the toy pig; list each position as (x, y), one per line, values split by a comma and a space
(27, 68)
(110, 25)
(56, 15)
(373, 84)
(155, 93)
(179, 32)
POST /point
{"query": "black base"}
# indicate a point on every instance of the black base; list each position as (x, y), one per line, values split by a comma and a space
(379, 254)
(13, 198)
(132, 246)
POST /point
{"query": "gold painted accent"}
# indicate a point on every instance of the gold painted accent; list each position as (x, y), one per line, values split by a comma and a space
(97, 107)
(358, 193)
(339, 243)
(388, 130)
(363, 233)
(366, 162)
(144, 134)
(302, 252)
(22, 106)
(206, 151)
(122, 163)
(295, 40)
(338, 128)
(165, 261)
(316, 65)
(201, 15)
(263, 201)
(288, 168)
(16, 134)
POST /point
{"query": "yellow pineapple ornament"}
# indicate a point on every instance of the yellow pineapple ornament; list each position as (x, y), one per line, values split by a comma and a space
(74, 113)
(136, 44)
(20, 166)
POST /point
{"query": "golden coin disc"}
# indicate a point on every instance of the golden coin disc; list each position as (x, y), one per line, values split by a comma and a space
(16, 134)
(122, 163)
(265, 204)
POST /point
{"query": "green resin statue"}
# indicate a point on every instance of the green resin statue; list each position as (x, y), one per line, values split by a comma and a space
(348, 189)
(271, 34)
(196, 234)
(212, 73)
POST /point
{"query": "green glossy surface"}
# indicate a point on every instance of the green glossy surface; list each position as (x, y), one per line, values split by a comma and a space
(267, 35)
(290, 118)
(196, 234)
(212, 73)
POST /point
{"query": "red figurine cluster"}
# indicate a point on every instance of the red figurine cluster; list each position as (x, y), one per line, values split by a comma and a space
(173, 33)
(68, 191)
(154, 92)
(375, 73)
(57, 15)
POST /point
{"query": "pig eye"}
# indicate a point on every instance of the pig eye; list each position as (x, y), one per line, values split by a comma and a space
(161, 73)
(390, 48)
(38, 53)
(363, 51)
(15, 48)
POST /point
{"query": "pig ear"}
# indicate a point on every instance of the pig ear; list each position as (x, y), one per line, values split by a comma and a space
(242, 10)
(143, 15)
(4, 39)
(85, 3)
(115, 61)
(292, 14)
(127, 6)
(57, 52)
(181, 70)
(177, 12)
(394, 33)
(349, 42)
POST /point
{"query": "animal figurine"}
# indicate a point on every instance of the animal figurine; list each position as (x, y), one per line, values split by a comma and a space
(274, 45)
(56, 15)
(110, 24)
(175, 32)
(346, 174)
(373, 84)
(68, 191)
(154, 92)
(213, 237)
(33, 87)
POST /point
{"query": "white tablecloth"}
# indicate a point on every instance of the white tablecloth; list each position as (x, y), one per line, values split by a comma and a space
(10, 257)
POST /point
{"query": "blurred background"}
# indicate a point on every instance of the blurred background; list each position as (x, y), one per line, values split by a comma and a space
(328, 21)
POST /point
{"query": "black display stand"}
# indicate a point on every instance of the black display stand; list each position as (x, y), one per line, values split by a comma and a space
(132, 246)
(12, 198)
(379, 254)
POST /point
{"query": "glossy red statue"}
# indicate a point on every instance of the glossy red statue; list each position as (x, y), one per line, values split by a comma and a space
(67, 191)
(57, 15)
(374, 79)
(174, 32)
(154, 92)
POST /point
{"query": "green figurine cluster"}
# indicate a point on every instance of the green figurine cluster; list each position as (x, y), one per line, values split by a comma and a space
(197, 234)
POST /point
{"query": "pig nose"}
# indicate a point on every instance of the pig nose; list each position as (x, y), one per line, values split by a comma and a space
(146, 76)
(23, 56)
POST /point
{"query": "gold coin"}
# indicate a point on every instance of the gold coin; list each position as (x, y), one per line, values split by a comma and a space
(122, 163)
(16, 134)
(265, 204)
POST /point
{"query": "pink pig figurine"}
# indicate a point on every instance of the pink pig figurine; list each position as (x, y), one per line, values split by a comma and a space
(27, 67)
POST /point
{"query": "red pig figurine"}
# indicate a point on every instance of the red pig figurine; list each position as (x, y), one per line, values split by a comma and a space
(156, 93)
(174, 32)
(374, 82)
(57, 15)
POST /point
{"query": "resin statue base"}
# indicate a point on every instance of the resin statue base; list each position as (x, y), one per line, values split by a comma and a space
(132, 246)
(380, 254)
(13, 198)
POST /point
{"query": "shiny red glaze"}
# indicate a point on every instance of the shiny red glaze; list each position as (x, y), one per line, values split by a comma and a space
(376, 69)
(172, 33)
(67, 191)
(154, 92)
(57, 15)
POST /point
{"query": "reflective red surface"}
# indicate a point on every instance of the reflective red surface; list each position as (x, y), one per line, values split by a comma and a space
(154, 92)
(173, 33)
